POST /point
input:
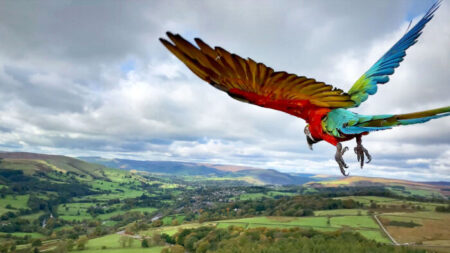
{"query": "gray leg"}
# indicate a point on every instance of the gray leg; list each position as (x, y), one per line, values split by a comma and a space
(360, 151)
(339, 159)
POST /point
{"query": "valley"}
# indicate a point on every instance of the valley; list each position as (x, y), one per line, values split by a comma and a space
(59, 204)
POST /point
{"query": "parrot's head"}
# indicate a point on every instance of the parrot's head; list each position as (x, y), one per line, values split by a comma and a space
(309, 137)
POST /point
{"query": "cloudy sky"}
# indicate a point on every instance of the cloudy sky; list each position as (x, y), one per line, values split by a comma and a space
(91, 78)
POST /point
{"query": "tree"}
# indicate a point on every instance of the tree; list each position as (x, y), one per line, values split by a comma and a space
(157, 239)
(81, 242)
(36, 243)
(174, 249)
(144, 243)
(61, 247)
(157, 223)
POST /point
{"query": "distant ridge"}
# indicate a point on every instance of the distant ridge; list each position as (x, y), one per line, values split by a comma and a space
(34, 162)
(254, 175)
(26, 155)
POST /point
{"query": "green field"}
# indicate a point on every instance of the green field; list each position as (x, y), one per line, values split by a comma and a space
(32, 217)
(74, 211)
(22, 234)
(171, 230)
(78, 211)
(270, 194)
(408, 191)
(112, 244)
(169, 219)
(392, 203)
(364, 224)
(338, 212)
(16, 202)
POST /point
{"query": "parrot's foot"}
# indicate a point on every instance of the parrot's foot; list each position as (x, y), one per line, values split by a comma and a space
(360, 151)
(339, 159)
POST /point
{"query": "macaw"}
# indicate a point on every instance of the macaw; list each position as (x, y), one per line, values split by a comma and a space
(322, 106)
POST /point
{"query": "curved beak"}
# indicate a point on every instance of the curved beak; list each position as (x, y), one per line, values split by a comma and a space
(310, 142)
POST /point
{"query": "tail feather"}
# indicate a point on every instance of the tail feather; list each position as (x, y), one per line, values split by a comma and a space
(382, 122)
(406, 119)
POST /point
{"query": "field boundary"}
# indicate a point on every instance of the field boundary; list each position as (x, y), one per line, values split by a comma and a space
(403, 216)
(385, 231)
(292, 225)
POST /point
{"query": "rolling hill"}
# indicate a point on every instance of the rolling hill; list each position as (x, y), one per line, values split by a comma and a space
(254, 175)
(32, 162)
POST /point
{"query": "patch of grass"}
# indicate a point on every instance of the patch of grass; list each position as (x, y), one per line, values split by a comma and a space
(74, 211)
(283, 221)
(338, 212)
(169, 219)
(249, 196)
(111, 241)
(363, 224)
(375, 235)
(17, 201)
(22, 234)
(171, 230)
(278, 193)
(354, 222)
(144, 209)
(126, 250)
(369, 199)
(33, 216)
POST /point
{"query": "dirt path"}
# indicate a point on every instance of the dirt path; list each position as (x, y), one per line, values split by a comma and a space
(386, 232)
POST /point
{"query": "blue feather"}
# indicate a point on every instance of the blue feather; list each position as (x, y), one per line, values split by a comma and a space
(379, 72)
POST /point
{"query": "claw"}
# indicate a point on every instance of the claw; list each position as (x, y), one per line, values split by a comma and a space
(339, 159)
(361, 152)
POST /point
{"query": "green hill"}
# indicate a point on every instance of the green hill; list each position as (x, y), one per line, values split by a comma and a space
(31, 163)
(247, 174)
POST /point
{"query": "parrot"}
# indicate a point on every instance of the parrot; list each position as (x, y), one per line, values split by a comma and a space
(322, 106)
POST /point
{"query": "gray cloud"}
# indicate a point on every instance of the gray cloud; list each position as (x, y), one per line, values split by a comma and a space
(84, 78)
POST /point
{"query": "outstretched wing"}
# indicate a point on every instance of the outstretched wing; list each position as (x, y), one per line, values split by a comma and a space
(380, 71)
(252, 82)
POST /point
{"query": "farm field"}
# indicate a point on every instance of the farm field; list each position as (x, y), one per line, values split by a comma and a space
(78, 211)
(171, 230)
(427, 228)
(339, 212)
(16, 202)
(22, 234)
(364, 224)
(270, 194)
(392, 203)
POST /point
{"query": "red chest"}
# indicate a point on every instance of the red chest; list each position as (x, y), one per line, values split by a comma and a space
(315, 125)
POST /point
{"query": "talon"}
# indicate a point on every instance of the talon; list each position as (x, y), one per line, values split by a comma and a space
(339, 159)
(343, 172)
(369, 157)
(361, 152)
(344, 150)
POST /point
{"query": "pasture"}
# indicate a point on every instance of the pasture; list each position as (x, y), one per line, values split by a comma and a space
(427, 228)
(363, 224)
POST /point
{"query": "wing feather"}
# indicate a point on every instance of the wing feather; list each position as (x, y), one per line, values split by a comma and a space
(379, 73)
(250, 81)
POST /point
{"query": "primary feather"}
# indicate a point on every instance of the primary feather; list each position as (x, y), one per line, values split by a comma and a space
(385, 66)
(249, 81)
